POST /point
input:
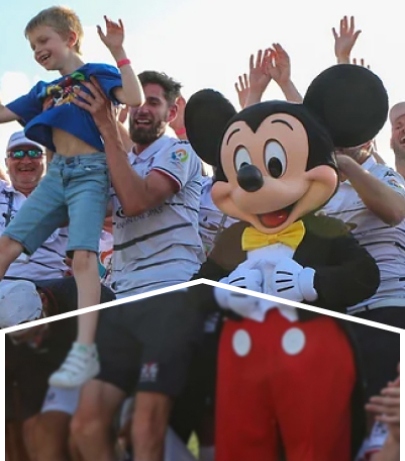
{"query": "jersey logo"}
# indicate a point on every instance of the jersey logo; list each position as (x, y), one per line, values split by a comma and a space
(179, 156)
(149, 372)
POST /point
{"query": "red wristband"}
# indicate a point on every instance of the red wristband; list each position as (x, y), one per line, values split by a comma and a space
(180, 131)
(123, 62)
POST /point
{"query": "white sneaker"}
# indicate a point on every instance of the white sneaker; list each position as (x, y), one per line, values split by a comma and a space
(80, 365)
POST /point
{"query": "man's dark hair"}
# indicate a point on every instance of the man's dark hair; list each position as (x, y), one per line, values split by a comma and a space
(171, 88)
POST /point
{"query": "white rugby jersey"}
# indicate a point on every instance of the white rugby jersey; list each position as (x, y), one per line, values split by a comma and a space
(211, 220)
(374, 443)
(47, 261)
(162, 246)
(385, 243)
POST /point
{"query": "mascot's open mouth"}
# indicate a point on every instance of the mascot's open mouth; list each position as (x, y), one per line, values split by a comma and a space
(275, 218)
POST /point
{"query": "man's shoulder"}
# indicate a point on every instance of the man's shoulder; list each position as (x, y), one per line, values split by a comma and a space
(177, 150)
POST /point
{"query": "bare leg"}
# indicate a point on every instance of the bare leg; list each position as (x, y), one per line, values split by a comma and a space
(87, 278)
(51, 436)
(82, 362)
(9, 252)
(28, 432)
(91, 426)
(152, 411)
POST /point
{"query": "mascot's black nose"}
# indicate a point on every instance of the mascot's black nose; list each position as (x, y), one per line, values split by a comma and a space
(250, 178)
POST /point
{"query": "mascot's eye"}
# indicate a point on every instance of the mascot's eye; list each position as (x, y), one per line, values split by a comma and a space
(242, 158)
(275, 159)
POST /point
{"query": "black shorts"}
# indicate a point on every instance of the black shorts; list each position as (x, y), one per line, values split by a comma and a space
(198, 398)
(147, 345)
(379, 349)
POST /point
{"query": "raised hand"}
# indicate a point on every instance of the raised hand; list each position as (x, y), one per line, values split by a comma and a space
(113, 39)
(258, 78)
(345, 39)
(242, 87)
(278, 65)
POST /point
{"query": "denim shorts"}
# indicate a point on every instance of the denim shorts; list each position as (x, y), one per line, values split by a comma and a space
(75, 190)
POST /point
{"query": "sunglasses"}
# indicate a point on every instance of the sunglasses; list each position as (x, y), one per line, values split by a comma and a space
(19, 154)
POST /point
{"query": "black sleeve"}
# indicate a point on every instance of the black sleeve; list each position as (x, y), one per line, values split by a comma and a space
(211, 270)
(352, 277)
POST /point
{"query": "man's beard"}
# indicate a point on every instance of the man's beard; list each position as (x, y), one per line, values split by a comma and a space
(147, 135)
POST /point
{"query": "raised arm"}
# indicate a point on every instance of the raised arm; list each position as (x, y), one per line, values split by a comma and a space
(242, 88)
(6, 115)
(131, 92)
(278, 67)
(258, 78)
(382, 200)
(345, 39)
(135, 193)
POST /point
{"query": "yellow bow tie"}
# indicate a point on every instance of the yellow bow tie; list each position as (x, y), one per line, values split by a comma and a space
(291, 236)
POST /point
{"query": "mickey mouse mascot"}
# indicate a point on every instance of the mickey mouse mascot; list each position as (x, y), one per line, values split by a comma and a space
(285, 376)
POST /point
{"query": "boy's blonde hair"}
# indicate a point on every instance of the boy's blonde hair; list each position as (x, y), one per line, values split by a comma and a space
(62, 19)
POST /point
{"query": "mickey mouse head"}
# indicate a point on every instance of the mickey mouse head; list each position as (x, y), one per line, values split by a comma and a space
(274, 160)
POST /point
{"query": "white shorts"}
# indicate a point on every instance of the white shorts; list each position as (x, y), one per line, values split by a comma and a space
(64, 400)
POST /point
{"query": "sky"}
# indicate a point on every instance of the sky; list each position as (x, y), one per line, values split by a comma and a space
(207, 43)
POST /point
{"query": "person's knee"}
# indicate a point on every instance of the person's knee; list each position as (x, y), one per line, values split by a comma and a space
(151, 418)
(83, 260)
(9, 249)
(86, 427)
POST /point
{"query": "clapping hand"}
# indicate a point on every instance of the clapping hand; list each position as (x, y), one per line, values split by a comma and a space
(278, 65)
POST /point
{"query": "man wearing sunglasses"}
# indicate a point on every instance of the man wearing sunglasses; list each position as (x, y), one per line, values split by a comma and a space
(26, 163)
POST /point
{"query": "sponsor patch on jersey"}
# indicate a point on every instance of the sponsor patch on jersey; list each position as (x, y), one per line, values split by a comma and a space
(149, 372)
(179, 156)
(393, 182)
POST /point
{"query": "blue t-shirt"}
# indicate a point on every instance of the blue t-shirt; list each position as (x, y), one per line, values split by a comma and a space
(48, 105)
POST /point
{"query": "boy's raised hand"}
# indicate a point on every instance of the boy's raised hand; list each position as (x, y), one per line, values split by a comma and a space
(113, 39)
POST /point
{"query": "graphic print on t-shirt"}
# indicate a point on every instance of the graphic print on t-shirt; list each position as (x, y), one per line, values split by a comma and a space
(63, 92)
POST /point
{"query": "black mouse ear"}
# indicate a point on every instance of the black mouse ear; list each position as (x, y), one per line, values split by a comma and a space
(351, 101)
(206, 115)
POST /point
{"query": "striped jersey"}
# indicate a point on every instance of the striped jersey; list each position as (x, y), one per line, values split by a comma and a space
(47, 261)
(385, 243)
(162, 246)
(211, 220)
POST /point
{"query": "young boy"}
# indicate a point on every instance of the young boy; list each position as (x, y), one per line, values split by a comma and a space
(76, 186)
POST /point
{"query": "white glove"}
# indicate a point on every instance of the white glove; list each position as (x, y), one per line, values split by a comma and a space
(243, 304)
(291, 281)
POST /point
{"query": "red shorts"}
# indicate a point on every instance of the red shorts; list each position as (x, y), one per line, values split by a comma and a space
(283, 383)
